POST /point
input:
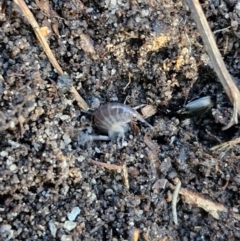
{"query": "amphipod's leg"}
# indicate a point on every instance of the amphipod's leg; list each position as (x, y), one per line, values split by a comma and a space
(120, 140)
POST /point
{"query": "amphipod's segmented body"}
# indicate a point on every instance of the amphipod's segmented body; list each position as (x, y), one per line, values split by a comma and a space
(113, 118)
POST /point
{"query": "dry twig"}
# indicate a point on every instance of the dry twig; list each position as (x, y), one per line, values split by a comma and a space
(216, 60)
(125, 176)
(227, 144)
(198, 200)
(107, 165)
(27, 13)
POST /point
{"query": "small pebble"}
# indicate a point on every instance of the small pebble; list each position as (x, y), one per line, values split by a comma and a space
(14, 144)
(64, 84)
(64, 117)
(66, 238)
(69, 225)
(95, 103)
(52, 228)
(66, 139)
(145, 13)
(3, 153)
(113, 72)
(73, 214)
(124, 144)
(13, 167)
(97, 150)
(6, 228)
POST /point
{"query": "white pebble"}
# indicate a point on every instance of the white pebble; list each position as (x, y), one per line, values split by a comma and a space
(124, 144)
(89, 10)
(226, 15)
(131, 223)
(6, 228)
(69, 225)
(9, 161)
(64, 117)
(137, 19)
(66, 238)
(73, 214)
(113, 72)
(81, 158)
(52, 228)
(11, 124)
(145, 13)
(3, 153)
(14, 144)
(47, 131)
(97, 150)
(66, 139)
(112, 4)
(95, 103)
(237, 6)
(62, 144)
(13, 167)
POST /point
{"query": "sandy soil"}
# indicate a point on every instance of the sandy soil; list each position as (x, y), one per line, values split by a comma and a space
(55, 185)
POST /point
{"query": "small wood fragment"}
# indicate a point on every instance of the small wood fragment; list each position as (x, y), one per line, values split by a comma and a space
(198, 200)
(227, 144)
(44, 6)
(107, 165)
(135, 234)
(86, 44)
(135, 127)
(125, 176)
(148, 110)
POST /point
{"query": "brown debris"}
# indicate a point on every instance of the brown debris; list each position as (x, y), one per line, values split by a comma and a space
(154, 150)
(194, 198)
(44, 6)
(125, 176)
(135, 127)
(86, 44)
(135, 234)
(107, 165)
(55, 25)
(159, 184)
(155, 43)
(45, 31)
(148, 111)
(227, 144)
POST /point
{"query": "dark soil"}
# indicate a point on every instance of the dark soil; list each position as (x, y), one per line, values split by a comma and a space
(145, 52)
